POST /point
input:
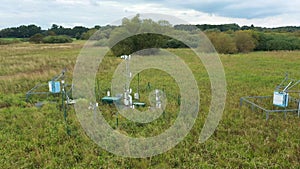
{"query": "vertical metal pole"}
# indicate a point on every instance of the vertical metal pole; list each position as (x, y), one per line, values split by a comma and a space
(27, 97)
(284, 114)
(149, 85)
(98, 92)
(64, 106)
(117, 120)
(128, 72)
(241, 102)
(62, 99)
(138, 87)
(299, 108)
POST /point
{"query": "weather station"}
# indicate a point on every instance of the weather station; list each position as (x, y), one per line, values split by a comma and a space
(57, 86)
(126, 97)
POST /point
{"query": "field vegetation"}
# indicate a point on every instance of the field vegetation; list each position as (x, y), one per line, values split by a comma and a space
(34, 137)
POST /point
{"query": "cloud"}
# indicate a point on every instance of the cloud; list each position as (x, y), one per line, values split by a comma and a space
(71, 2)
(240, 9)
(198, 17)
(69, 13)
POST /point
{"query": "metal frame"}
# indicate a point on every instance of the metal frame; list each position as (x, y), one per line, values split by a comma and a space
(281, 87)
(268, 111)
(65, 92)
(35, 89)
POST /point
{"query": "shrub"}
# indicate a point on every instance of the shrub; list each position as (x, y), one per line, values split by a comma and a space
(244, 41)
(173, 43)
(222, 42)
(277, 41)
(57, 39)
(279, 44)
(37, 38)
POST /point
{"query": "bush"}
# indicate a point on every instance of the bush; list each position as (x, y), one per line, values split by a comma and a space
(88, 34)
(57, 39)
(279, 44)
(244, 41)
(37, 38)
(277, 41)
(222, 42)
(173, 43)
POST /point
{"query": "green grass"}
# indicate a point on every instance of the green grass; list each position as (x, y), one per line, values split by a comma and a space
(31, 137)
(11, 39)
(7, 41)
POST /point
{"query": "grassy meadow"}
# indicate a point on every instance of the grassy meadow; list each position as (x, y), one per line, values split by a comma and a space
(32, 137)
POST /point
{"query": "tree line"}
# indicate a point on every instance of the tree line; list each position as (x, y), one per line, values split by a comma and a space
(23, 31)
(252, 40)
(226, 38)
(30, 30)
(236, 27)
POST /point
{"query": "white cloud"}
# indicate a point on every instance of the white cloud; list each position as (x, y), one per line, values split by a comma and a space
(70, 13)
(197, 17)
(71, 2)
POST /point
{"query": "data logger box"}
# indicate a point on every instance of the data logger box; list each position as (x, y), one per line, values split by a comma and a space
(54, 86)
(281, 99)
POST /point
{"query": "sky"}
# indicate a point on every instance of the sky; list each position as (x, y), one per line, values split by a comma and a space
(70, 13)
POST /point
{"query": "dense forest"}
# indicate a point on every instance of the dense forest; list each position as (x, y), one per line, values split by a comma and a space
(226, 38)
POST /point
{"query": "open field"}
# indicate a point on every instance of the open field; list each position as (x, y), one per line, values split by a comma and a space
(31, 137)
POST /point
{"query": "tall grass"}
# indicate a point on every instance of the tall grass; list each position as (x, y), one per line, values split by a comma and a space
(7, 41)
(33, 137)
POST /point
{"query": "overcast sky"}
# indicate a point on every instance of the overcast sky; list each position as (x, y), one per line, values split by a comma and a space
(69, 13)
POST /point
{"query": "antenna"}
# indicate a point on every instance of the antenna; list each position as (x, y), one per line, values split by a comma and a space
(287, 86)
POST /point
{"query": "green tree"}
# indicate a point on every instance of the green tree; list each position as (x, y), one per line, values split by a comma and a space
(278, 44)
(77, 31)
(95, 34)
(277, 41)
(135, 35)
(88, 34)
(262, 40)
(50, 33)
(22, 31)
